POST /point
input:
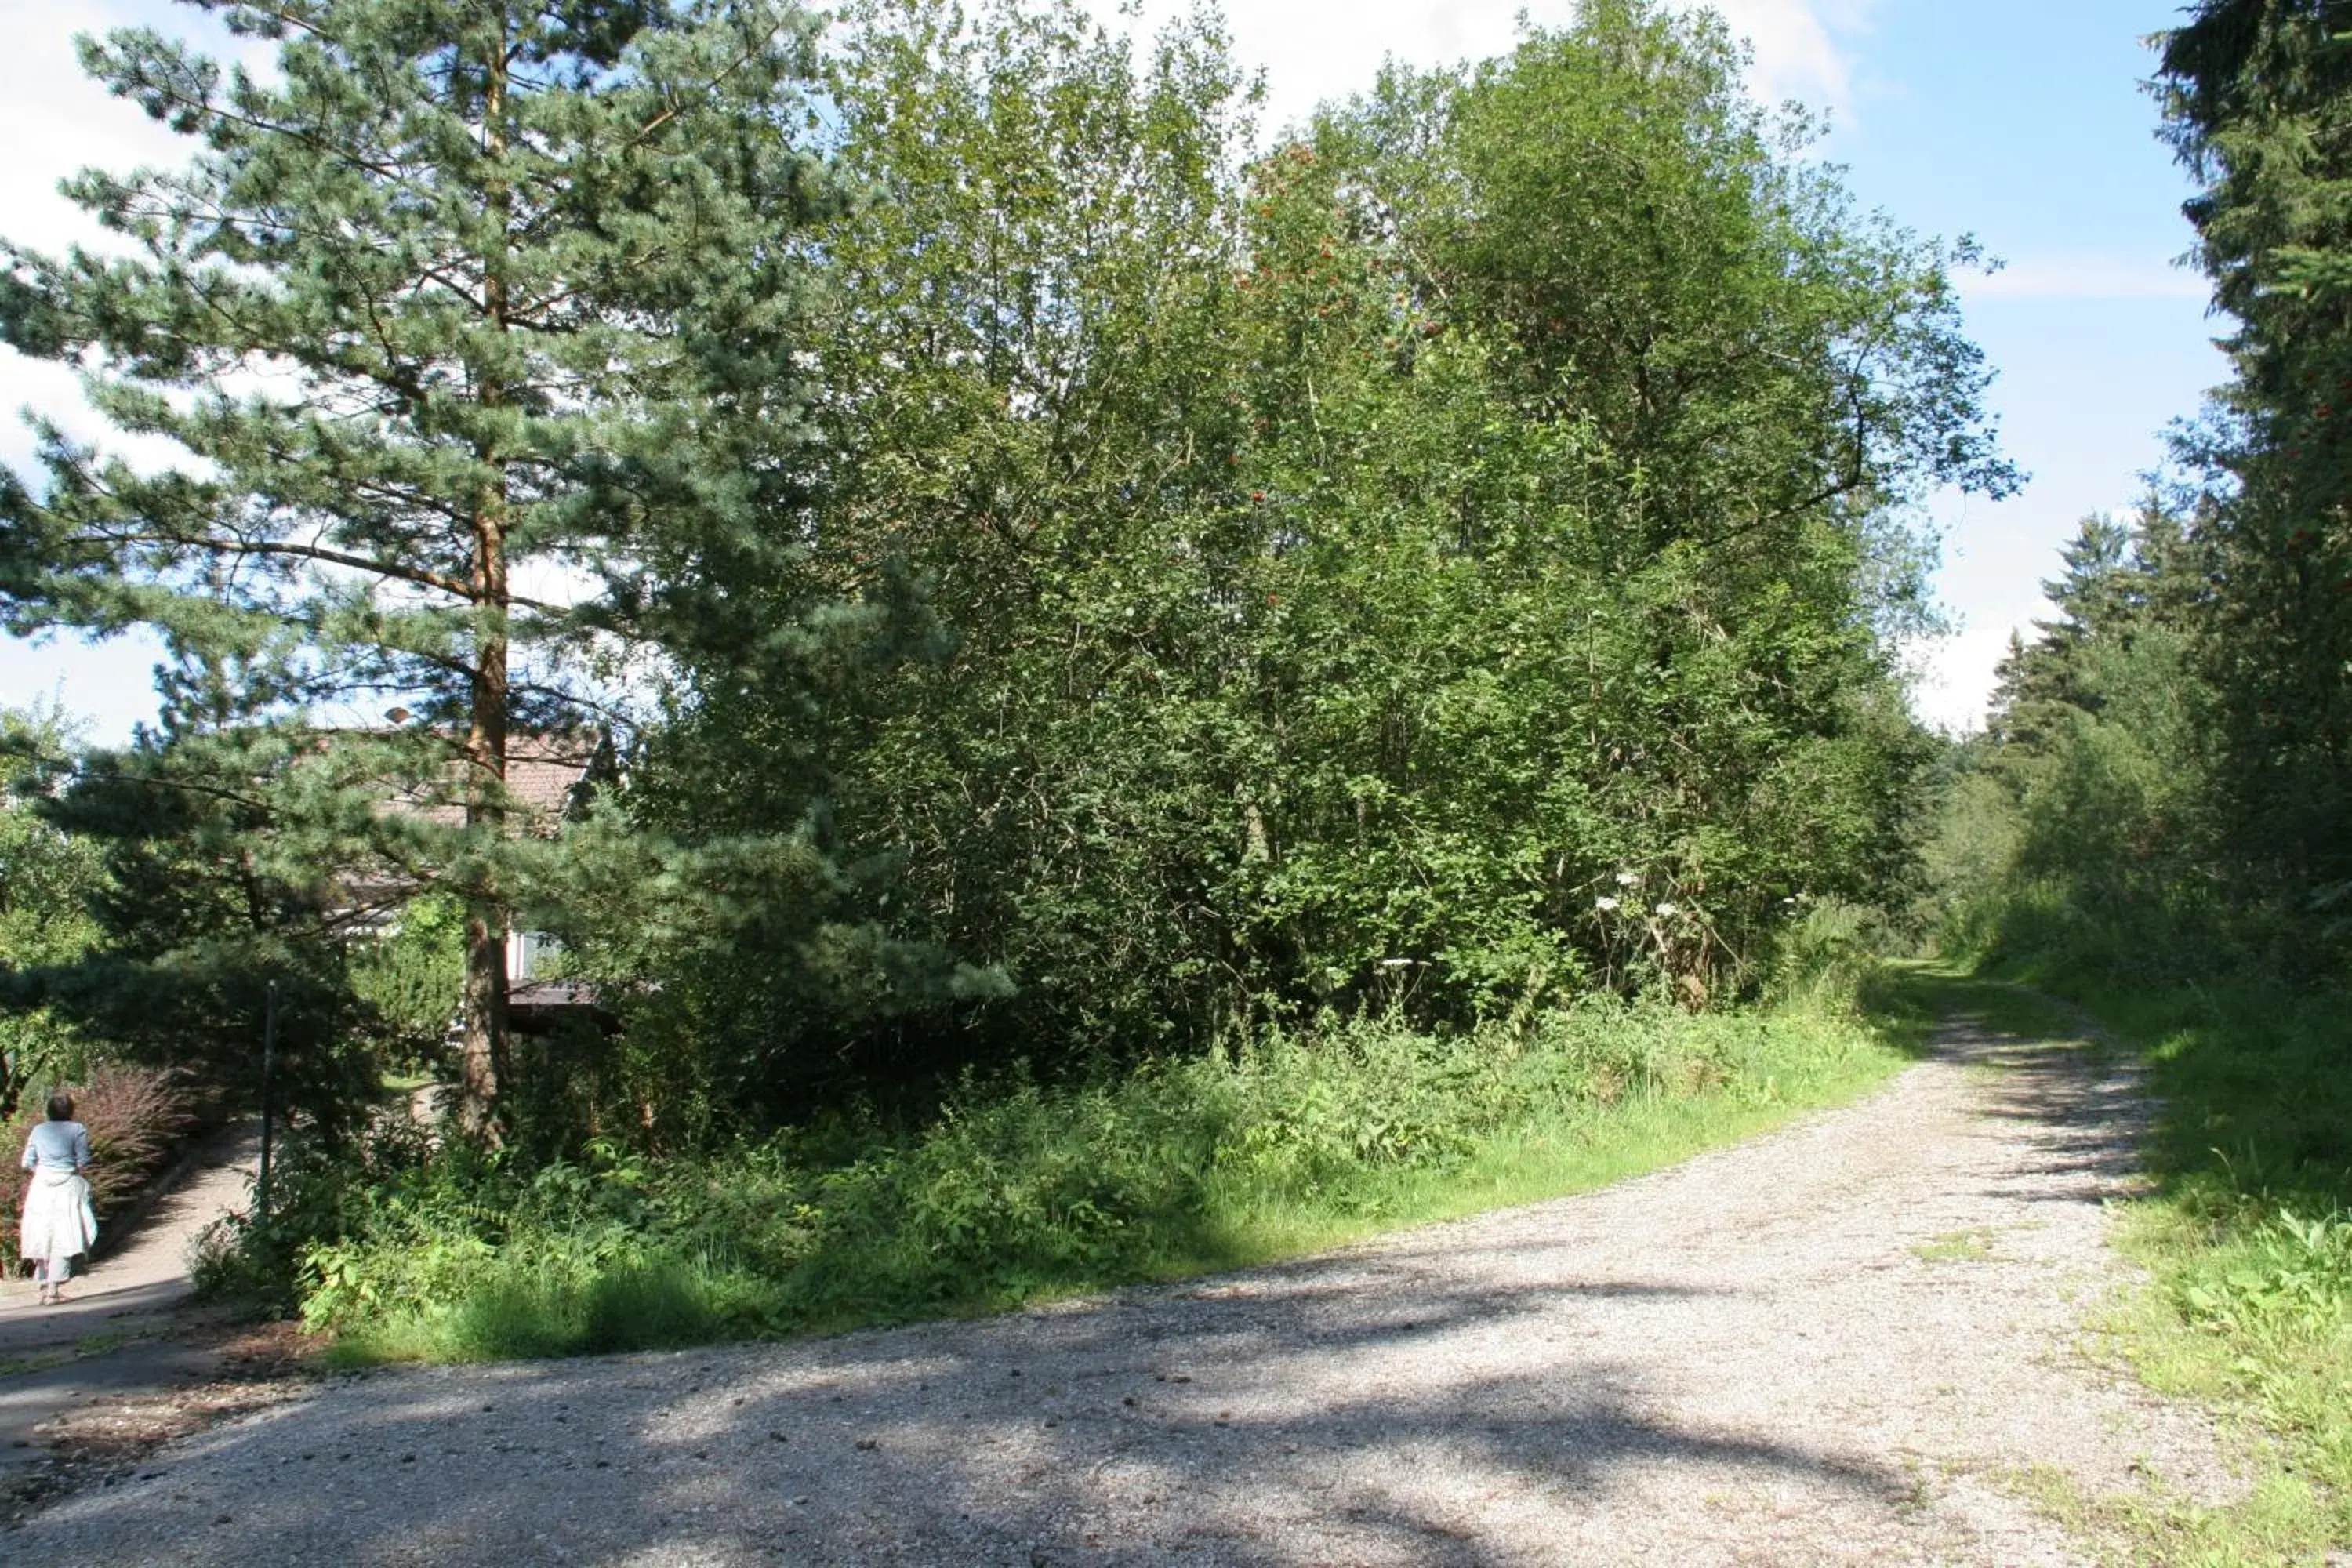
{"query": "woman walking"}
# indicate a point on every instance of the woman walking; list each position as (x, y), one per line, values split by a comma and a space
(58, 1224)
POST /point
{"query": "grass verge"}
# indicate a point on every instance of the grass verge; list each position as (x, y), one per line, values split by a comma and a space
(2247, 1240)
(1020, 1193)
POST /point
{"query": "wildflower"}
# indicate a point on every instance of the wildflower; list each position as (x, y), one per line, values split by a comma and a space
(1604, 905)
(1396, 963)
(1667, 909)
(1627, 878)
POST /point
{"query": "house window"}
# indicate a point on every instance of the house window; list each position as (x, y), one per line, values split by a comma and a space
(530, 954)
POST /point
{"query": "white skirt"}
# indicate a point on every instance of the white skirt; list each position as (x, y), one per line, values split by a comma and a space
(58, 1222)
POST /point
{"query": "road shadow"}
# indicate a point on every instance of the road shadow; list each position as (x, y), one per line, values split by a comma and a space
(2084, 1113)
(1344, 1409)
(1260, 1418)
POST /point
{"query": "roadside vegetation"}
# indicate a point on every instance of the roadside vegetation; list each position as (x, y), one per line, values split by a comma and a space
(1156, 689)
(1019, 1191)
(2250, 1244)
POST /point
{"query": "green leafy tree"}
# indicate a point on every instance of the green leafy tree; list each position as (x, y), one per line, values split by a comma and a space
(476, 324)
(48, 880)
(1695, 390)
(1351, 560)
(1014, 349)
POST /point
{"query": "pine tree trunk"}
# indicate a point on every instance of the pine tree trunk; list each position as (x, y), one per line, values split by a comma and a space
(484, 1068)
(486, 923)
(485, 1014)
(486, 753)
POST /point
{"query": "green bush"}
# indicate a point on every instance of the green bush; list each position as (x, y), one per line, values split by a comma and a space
(1016, 1189)
(410, 979)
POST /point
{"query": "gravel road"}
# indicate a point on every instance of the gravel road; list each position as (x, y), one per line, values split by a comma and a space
(1838, 1343)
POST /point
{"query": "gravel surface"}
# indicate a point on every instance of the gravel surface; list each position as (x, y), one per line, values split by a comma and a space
(121, 1339)
(1838, 1343)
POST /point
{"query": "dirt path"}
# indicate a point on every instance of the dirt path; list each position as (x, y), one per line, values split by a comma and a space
(1834, 1344)
(118, 1337)
(147, 1275)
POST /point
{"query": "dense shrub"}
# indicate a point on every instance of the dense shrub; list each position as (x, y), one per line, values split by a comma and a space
(410, 978)
(1438, 564)
(1017, 1188)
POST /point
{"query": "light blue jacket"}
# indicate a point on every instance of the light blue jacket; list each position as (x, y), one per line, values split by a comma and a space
(58, 1146)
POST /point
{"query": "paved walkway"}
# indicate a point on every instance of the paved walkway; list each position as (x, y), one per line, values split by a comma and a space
(103, 1338)
(147, 1274)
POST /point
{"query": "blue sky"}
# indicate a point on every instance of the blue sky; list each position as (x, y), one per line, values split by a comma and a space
(2022, 122)
(2025, 125)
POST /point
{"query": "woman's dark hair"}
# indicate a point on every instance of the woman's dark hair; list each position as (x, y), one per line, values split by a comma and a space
(61, 1107)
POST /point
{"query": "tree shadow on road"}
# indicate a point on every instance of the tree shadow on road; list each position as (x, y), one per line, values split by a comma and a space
(1263, 1418)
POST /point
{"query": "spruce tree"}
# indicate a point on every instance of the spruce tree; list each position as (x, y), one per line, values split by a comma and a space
(475, 325)
(2257, 97)
(2122, 577)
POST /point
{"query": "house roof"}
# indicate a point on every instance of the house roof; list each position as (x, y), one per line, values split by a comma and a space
(546, 776)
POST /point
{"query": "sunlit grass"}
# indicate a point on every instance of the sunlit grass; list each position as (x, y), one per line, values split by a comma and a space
(1024, 1194)
(1974, 1245)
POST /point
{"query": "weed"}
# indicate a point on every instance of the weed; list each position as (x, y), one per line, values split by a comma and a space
(1956, 1247)
(1022, 1191)
(2152, 1525)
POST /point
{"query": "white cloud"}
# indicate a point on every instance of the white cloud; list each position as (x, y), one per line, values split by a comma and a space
(2087, 278)
(1317, 49)
(1954, 676)
(1803, 47)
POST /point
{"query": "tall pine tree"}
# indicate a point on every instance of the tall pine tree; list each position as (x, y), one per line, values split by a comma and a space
(475, 325)
(2258, 102)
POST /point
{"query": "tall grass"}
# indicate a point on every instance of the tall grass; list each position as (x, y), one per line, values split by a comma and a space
(1019, 1191)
